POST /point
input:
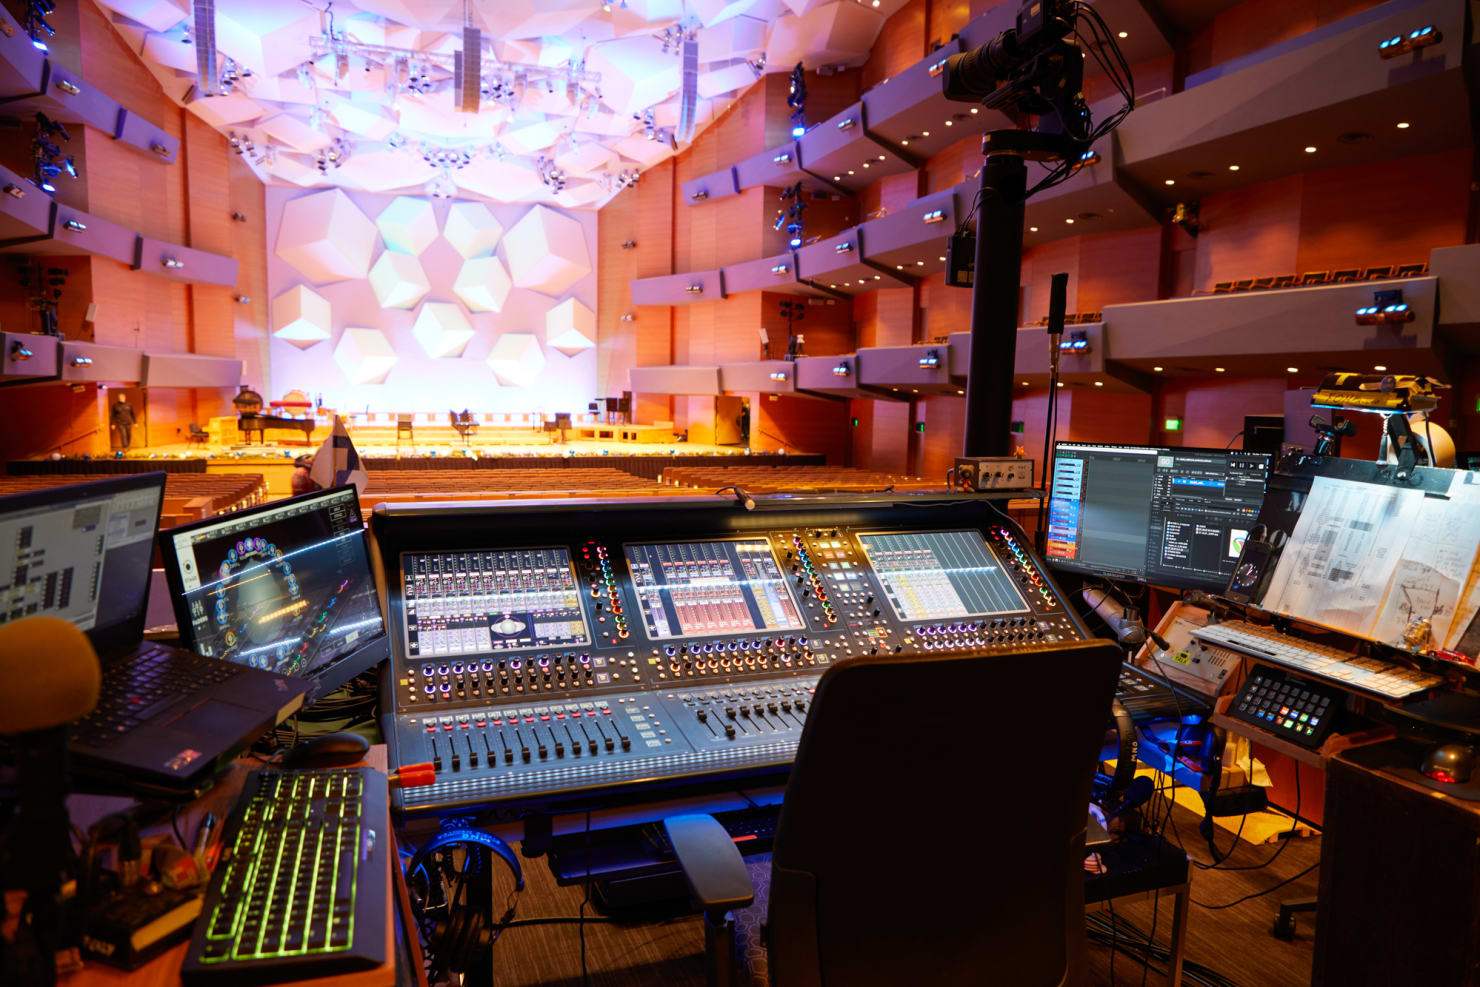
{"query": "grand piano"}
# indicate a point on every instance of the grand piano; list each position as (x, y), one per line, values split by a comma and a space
(250, 418)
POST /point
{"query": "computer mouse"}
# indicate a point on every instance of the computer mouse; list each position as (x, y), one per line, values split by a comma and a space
(1450, 763)
(332, 750)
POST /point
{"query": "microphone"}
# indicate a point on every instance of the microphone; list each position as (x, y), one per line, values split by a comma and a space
(52, 677)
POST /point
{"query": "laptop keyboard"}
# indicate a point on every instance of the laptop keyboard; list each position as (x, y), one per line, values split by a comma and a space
(136, 690)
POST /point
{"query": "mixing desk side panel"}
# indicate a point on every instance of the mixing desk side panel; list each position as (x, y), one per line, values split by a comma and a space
(541, 655)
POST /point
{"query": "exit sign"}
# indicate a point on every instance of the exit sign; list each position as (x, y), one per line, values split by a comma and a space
(1172, 425)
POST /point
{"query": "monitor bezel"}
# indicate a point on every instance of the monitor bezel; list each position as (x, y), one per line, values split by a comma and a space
(356, 662)
(1213, 586)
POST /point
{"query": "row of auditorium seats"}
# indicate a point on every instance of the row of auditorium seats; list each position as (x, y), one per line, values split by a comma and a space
(1312, 278)
(409, 486)
(187, 496)
(795, 479)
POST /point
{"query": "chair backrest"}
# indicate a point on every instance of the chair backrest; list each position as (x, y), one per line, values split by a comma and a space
(988, 759)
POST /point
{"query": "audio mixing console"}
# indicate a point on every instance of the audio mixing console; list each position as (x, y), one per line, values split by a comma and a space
(546, 653)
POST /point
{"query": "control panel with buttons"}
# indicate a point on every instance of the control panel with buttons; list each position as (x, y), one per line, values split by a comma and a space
(549, 651)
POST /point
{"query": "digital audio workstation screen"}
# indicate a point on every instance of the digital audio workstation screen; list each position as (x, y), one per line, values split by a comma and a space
(85, 561)
(935, 575)
(460, 603)
(697, 589)
(289, 590)
(1174, 517)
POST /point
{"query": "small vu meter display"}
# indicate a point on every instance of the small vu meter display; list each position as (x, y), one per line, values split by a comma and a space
(460, 603)
(698, 589)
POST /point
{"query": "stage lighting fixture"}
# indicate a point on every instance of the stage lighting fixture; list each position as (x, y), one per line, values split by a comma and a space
(930, 360)
(172, 264)
(778, 375)
(242, 299)
(82, 361)
(1387, 308)
(628, 317)
(75, 226)
(842, 370)
(798, 130)
(795, 232)
(1077, 342)
(1400, 44)
(20, 351)
(35, 23)
(14, 191)
(628, 244)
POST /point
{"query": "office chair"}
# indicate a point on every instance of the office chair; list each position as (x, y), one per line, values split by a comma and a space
(993, 763)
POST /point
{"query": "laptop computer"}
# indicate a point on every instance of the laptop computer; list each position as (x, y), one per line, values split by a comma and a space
(165, 718)
(285, 587)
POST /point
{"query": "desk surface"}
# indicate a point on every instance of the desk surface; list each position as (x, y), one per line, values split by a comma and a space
(165, 969)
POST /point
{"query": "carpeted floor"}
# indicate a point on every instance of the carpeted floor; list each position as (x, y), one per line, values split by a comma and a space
(1236, 942)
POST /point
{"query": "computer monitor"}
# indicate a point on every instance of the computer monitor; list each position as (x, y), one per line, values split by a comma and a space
(82, 553)
(1157, 514)
(286, 586)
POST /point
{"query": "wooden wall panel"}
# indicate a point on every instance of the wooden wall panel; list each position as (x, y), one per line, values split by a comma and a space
(56, 418)
(252, 326)
(1116, 267)
(951, 166)
(947, 18)
(1212, 409)
(1040, 264)
(885, 317)
(901, 43)
(947, 309)
(1249, 232)
(1391, 212)
(799, 424)
(881, 441)
(1247, 27)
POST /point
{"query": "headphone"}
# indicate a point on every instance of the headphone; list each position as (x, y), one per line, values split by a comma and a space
(1111, 790)
(460, 934)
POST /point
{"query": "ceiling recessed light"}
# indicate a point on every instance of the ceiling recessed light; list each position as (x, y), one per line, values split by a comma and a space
(1292, 370)
(924, 133)
(1059, 384)
(1403, 125)
(1171, 181)
(919, 263)
(1123, 34)
(1157, 369)
(850, 171)
(948, 123)
(1310, 149)
(1380, 368)
(940, 258)
(976, 109)
(1233, 167)
(1032, 229)
(837, 178)
(881, 157)
(904, 143)
(899, 267)
(1099, 383)
(1218, 370)
(1069, 221)
(1025, 383)
(865, 164)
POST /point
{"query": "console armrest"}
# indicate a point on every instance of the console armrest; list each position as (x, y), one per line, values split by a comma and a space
(713, 867)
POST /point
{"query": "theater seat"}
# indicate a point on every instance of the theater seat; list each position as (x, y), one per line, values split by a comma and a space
(967, 896)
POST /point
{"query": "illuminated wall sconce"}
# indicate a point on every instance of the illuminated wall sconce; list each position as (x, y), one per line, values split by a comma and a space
(842, 370)
(930, 360)
(75, 226)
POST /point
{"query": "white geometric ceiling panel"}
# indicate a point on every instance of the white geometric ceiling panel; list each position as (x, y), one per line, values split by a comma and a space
(567, 80)
(398, 280)
(546, 251)
(365, 356)
(570, 327)
(223, 111)
(326, 237)
(408, 225)
(442, 330)
(516, 359)
(471, 229)
(384, 170)
(300, 316)
(157, 15)
(635, 73)
(483, 284)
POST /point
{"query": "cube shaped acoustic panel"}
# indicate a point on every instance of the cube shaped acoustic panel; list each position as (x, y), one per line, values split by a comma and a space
(471, 229)
(483, 284)
(326, 237)
(547, 251)
(398, 280)
(570, 327)
(516, 359)
(300, 316)
(408, 225)
(365, 356)
(442, 330)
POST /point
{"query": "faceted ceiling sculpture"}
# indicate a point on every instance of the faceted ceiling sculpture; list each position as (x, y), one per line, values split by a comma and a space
(359, 94)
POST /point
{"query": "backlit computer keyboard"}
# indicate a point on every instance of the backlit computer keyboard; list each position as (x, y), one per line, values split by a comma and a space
(1266, 644)
(139, 687)
(302, 887)
(1148, 697)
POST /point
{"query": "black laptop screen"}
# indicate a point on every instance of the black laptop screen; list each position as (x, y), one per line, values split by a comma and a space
(81, 553)
(286, 587)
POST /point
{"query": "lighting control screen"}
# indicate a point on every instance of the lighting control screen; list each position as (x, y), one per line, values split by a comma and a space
(941, 574)
(698, 589)
(461, 603)
(1170, 516)
(289, 590)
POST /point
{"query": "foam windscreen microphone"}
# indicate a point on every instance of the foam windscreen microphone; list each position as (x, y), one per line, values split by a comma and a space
(52, 678)
(51, 674)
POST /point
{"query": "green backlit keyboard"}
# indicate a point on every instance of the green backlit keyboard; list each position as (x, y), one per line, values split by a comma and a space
(302, 886)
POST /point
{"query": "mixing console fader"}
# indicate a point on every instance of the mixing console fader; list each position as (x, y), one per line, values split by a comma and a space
(547, 652)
